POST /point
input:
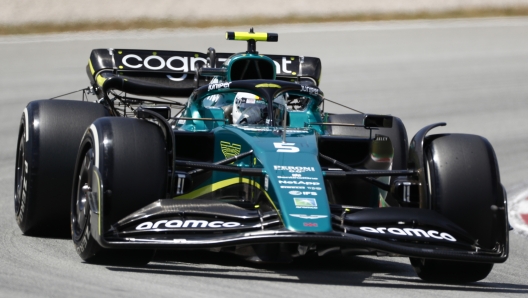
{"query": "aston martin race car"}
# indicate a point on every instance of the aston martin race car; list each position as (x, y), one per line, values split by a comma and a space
(251, 165)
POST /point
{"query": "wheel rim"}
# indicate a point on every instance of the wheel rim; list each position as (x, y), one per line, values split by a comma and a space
(81, 209)
(20, 176)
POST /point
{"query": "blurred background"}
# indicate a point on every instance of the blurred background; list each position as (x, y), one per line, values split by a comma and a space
(27, 16)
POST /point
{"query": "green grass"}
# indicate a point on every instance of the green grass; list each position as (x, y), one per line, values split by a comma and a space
(37, 28)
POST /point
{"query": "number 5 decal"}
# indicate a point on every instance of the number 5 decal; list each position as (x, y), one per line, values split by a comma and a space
(286, 147)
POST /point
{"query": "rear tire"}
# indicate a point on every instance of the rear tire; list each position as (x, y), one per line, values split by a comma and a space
(132, 163)
(464, 182)
(48, 140)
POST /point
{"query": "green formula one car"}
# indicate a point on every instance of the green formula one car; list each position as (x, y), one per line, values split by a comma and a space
(251, 165)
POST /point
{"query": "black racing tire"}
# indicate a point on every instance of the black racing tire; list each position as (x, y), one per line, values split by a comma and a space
(49, 135)
(131, 164)
(450, 272)
(464, 184)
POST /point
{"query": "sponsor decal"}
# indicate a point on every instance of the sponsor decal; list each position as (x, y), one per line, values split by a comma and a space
(314, 188)
(23, 192)
(306, 216)
(284, 65)
(154, 62)
(183, 77)
(302, 193)
(292, 187)
(410, 232)
(248, 100)
(310, 90)
(230, 149)
(84, 240)
(310, 224)
(176, 223)
(305, 203)
(294, 169)
(218, 86)
(298, 182)
(266, 182)
(297, 176)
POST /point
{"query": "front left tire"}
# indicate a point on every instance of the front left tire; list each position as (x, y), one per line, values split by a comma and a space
(124, 161)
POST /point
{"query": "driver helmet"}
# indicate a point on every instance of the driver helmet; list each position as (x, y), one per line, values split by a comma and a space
(249, 109)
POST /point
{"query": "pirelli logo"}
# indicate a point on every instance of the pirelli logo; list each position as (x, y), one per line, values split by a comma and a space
(229, 149)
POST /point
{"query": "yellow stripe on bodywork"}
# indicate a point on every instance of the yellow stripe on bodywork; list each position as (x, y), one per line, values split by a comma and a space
(267, 85)
(91, 66)
(225, 183)
(215, 186)
(100, 80)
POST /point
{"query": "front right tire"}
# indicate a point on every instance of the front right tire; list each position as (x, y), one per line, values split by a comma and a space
(465, 187)
(450, 272)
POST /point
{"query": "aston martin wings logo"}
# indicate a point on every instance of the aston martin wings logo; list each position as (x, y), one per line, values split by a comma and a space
(230, 150)
(305, 216)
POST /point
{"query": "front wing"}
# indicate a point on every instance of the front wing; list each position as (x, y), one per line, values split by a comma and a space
(201, 224)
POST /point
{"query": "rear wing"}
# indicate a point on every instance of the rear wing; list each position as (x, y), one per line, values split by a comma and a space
(176, 70)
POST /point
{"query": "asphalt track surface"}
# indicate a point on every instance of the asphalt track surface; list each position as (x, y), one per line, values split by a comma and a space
(473, 74)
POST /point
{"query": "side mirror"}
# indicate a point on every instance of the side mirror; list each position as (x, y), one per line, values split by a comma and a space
(372, 121)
